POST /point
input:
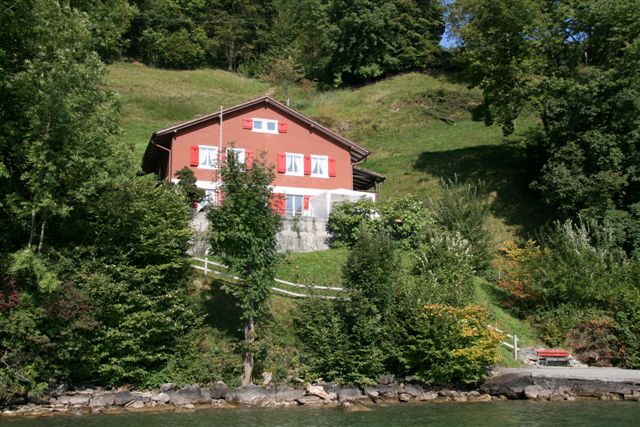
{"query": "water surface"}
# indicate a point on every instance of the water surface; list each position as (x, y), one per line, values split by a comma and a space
(510, 413)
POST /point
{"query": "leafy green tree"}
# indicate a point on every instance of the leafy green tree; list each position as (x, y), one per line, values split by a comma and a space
(243, 232)
(187, 183)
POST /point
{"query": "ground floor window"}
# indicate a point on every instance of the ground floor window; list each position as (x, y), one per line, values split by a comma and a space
(294, 205)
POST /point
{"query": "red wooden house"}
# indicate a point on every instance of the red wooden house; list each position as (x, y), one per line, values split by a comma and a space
(315, 167)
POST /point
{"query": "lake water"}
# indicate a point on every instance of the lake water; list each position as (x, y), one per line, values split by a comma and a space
(509, 413)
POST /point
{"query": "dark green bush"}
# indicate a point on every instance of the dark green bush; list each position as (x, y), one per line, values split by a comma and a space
(464, 208)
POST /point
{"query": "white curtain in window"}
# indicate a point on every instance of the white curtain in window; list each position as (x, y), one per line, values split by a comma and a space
(294, 163)
(318, 165)
(208, 157)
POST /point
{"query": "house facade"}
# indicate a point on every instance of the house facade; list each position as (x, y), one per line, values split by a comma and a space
(314, 166)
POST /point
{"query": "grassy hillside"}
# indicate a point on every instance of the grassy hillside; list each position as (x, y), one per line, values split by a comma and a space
(417, 126)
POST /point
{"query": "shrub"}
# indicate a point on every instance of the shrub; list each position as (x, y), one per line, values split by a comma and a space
(464, 208)
(444, 269)
(445, 345)
(404, 220)
(372, 268)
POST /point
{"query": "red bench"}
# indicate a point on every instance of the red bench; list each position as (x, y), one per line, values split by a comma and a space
(552, 353)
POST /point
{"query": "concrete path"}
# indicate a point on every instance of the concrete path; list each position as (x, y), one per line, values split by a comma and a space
(599, 374)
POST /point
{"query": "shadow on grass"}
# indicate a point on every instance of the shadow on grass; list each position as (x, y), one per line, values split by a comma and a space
(222, 311)
(503, 168)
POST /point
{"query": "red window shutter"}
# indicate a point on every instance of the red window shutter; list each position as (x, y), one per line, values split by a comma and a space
(332, 166)
(306, 202)
(282, 162)
(247, 123)
(248, 158)
(195, 155)
(278, 203)
(282, 127)
(283, 204)
(307, 165)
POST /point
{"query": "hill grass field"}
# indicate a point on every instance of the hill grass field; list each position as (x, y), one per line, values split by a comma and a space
(418, 127)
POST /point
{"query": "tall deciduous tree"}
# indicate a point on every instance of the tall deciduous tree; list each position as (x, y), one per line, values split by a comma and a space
(243, 232)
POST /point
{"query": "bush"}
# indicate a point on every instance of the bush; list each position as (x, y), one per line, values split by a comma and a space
(464, 208)
(445, 345)
(404, 220)
(444, 269)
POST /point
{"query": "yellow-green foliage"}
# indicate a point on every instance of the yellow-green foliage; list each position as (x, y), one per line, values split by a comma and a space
(451, 344)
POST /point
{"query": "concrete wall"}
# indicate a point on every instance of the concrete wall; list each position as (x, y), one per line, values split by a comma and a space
(300, 234)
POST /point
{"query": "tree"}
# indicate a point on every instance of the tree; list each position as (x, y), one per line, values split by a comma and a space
(243, 232)
(187, 183)
(575, 64)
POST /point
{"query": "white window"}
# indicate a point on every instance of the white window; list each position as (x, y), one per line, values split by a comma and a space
(207, 157)
(295, 164)
(294, 205)
(210, 197)
(320, 166)
(265, 126)
(240, 154)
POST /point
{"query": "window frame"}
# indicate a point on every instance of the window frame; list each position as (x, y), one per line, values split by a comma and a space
(299, 156)
(326, 166)
(201, 150)
(293, 198)
(264, 126)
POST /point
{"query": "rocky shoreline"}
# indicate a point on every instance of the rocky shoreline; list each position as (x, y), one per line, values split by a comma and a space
(503, 386)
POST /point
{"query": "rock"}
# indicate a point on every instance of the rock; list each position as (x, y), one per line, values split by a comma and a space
(388, 391)
(354, 407)
(59, 390)
(285, 393)
(479, 398)
(310, 401)
(205, 393)
(404, 397)
(75, 399)
(427, 396)
(187, 406)
(449, 393)
(167, 387)
(372, 394)
(386, 379)
(219, 390)
(412, 390)
(349, 394)
(510, 385)
(121, 398)
(314, 390)
(266, 378)
(135, 404)
(248, 395)
(161, 398)
(533, 391)
(460, 398)
(186, 395)
(102, 399)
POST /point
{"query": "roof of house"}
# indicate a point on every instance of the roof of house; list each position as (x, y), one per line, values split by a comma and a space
(364, 179)
(164, 137)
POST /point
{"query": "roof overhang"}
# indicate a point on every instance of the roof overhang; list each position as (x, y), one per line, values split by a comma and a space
(364, 179)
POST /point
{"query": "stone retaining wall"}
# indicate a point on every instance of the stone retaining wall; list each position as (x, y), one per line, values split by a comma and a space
(169, 397)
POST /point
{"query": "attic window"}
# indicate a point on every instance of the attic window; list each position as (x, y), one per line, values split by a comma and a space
(265, 126)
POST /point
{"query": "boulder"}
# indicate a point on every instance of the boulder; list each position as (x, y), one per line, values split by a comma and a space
(285, 393)
(319, 391)
(167, 387)
(372, 394)
(310, 401)
(510, 385)
(186, 395)
(121, 398)
(102, 400)
(404, 397)
(248, 395)
(161, 398)
(219, 390)
(412, 390)
(427, 396)
(388, 391)
(75, 399)
(349, 394)
(386, 379)
(479, 398)
(536, 392)
(135, 404)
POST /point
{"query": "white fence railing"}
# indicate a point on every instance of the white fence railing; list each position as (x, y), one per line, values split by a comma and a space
(513, 345)
(207, 269)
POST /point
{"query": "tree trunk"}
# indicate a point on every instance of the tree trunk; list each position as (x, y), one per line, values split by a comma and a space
(42, 225)
(247, 357)
(33, 227)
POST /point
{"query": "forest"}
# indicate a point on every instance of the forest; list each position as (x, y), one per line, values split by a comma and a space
(95, 282)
